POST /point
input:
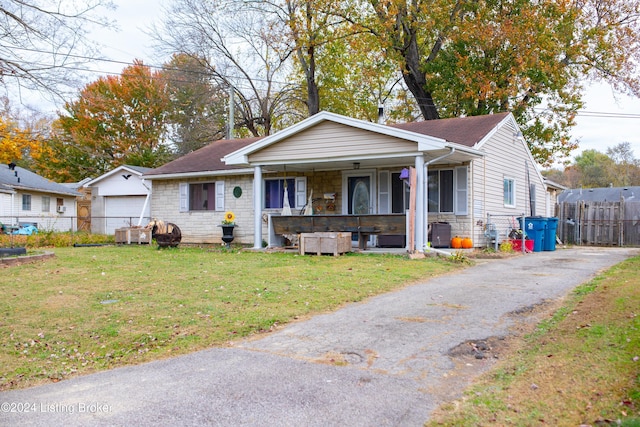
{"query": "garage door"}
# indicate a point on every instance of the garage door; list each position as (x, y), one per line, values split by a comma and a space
(124, 211)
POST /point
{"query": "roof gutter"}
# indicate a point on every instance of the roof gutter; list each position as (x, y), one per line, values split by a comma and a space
(246, 171)
(452, 150)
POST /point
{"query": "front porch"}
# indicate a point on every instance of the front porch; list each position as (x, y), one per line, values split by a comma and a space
(335, 167)
(360, 226)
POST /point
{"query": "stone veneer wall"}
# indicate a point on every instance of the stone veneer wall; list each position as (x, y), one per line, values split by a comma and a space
(203, 226)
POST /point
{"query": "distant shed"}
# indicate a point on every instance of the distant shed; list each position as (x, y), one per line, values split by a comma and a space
(607, 216)
(607, 194)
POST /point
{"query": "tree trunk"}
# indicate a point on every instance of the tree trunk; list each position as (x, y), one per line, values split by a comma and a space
(313, 96)
(407, 46)
(422, 96)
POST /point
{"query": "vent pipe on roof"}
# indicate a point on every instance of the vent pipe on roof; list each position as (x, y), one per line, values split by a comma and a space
(381, 114)
(12, 166)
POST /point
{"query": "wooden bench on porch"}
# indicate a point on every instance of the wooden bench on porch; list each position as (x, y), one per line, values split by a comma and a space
(361, 225)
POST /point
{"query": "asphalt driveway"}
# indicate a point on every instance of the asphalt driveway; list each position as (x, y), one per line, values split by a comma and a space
(387, 361)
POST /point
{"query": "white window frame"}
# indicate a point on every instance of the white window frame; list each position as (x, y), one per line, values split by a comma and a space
(511, 203)
(384, 192)
(26, 202)
(46, 204)
(300, 190)
(460, 190)
(184, 196)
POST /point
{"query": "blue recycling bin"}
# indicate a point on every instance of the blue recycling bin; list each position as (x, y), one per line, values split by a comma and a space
(550, 234)
(534, 227)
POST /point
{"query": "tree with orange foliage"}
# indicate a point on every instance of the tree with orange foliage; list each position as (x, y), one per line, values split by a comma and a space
(463, 58)
(116, 120)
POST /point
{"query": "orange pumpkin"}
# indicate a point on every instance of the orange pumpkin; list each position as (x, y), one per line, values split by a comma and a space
(456, 242)
(467, 243)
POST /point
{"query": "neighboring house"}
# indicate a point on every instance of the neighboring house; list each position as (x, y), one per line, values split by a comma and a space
(465, 168)
(28, 198)
(119, 198)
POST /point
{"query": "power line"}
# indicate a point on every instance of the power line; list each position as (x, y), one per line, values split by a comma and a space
(129, 64)
(581, 113)
(606, 115)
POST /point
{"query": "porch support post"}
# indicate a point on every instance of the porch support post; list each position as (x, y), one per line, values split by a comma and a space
(421, 211)
(257, 207)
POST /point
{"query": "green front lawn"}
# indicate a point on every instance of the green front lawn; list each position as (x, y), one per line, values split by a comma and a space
(94, 308)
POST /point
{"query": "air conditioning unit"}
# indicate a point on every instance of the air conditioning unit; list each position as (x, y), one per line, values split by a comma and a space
(62, 209)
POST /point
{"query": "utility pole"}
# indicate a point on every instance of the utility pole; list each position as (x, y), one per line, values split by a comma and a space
(230, 120)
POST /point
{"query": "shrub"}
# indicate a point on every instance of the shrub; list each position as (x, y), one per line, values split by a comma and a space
(55, 239)
(506, 246)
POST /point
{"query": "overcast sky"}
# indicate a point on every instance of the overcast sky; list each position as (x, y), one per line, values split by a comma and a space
(605, 122)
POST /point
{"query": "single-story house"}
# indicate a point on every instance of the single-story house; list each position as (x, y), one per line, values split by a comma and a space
(119, 198)
(27, 198)
(462, 172)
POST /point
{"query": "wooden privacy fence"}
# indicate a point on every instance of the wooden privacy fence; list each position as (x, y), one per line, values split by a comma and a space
(599, 223)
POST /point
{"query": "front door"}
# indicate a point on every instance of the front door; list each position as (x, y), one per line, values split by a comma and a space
(358, 196)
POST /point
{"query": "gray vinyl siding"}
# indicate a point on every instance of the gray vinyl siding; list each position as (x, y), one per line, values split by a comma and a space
(506, 157)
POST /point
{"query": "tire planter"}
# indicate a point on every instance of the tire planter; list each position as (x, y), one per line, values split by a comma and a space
(12, 251)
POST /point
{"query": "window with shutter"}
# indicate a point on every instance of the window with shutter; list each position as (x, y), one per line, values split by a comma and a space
(462, 191)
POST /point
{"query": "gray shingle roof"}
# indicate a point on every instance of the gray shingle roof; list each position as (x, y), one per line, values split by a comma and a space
(23, 179)
(466, 131)
(607, 194)
(205, 159)
(140, 169)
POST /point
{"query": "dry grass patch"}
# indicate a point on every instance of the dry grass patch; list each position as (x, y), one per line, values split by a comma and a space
(581, 367)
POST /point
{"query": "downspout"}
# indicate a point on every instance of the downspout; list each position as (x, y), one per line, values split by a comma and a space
(146, 201)
(257, 207)
(13, 207)
(425, 200)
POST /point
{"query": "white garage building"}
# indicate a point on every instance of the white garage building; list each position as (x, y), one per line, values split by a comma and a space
(119, 198)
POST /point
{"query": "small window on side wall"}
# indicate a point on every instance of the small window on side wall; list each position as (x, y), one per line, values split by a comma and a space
(509, 185)
(26, 202)
(46, 203)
